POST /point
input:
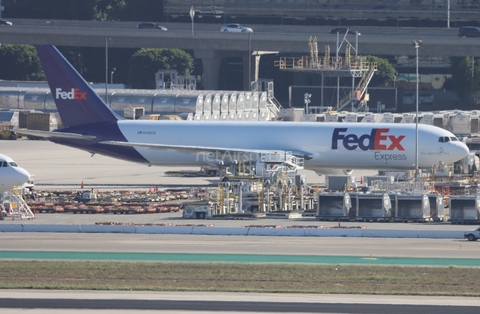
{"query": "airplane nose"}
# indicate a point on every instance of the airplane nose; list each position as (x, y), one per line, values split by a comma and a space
(462, 150)
(22, 175)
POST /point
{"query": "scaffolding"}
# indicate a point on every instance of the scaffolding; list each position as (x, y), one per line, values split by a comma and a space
(15, 206)
(353, 66)
(240, 196)
(271, 185)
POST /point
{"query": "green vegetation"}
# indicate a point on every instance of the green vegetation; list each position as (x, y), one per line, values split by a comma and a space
(272, 278)
(20, 62)
(147, 61)
(465, 76)
(90, 62)
(385, 74)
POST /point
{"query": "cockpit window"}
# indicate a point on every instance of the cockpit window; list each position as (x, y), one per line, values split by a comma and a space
(7, 164)
(445, 139)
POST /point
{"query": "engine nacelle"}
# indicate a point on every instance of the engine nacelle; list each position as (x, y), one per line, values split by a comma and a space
(328, 171)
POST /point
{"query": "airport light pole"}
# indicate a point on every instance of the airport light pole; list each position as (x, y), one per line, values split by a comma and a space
(106, 69)
(249, 61)
(448, 13)
(416, 44)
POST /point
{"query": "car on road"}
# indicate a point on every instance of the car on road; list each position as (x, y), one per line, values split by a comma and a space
(342, 31)
(472, 234)
(469, 31)
(236, 28)
(4, 22)
(148, 25)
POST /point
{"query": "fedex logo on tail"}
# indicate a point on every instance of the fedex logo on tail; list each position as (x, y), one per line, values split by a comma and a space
(378, 139)
(74, 94)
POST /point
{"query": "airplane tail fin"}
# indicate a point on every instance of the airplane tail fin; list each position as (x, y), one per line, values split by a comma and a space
(77, 103)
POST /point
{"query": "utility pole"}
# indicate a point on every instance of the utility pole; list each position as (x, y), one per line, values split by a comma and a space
(106, 70)
(416, 44)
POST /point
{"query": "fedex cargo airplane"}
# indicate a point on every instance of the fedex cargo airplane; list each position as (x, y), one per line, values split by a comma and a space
(11, 174)
(327, 148)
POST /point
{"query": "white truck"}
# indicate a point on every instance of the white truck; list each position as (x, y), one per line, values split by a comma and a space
(472, 234)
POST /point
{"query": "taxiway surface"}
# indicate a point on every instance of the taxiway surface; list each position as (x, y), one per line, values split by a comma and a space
(59, 167)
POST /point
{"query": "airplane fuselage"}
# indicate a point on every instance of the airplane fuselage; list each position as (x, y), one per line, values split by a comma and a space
(325, 145)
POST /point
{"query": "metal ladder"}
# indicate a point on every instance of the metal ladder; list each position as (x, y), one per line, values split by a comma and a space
(18, 208)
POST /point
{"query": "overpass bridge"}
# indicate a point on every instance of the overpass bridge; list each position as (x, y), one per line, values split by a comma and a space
(210, 45)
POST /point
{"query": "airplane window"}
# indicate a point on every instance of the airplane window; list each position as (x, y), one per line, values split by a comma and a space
(447, 139)
(12, 164)
(1, 163)
(440, 139)
(453, 139)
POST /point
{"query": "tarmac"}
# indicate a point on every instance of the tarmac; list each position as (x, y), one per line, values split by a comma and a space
(58, 167)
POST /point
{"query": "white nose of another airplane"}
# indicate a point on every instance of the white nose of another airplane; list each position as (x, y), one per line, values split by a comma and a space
(20, 176)
(12, 176)
(23, 175)
(462, 150)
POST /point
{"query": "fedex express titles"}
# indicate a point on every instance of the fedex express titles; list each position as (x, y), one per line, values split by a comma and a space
(378, 140)
(74, 93)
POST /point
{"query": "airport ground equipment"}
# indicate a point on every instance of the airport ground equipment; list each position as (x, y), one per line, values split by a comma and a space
(15, 206)
(464, 209)
(373, 207)
(437, 207)
(339, 182)
(38, 121)
(86, 196)
(240, 195)
(411, 207)
(369, 180)
(269, 184)
(334, 206)
(6, 133)
(8, 121)
(197, 210)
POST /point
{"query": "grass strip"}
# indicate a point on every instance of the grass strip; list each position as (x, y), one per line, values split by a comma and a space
(232, 277)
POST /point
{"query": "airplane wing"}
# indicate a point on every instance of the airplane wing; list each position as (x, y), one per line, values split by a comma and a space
(208, 150)
(47, 134)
